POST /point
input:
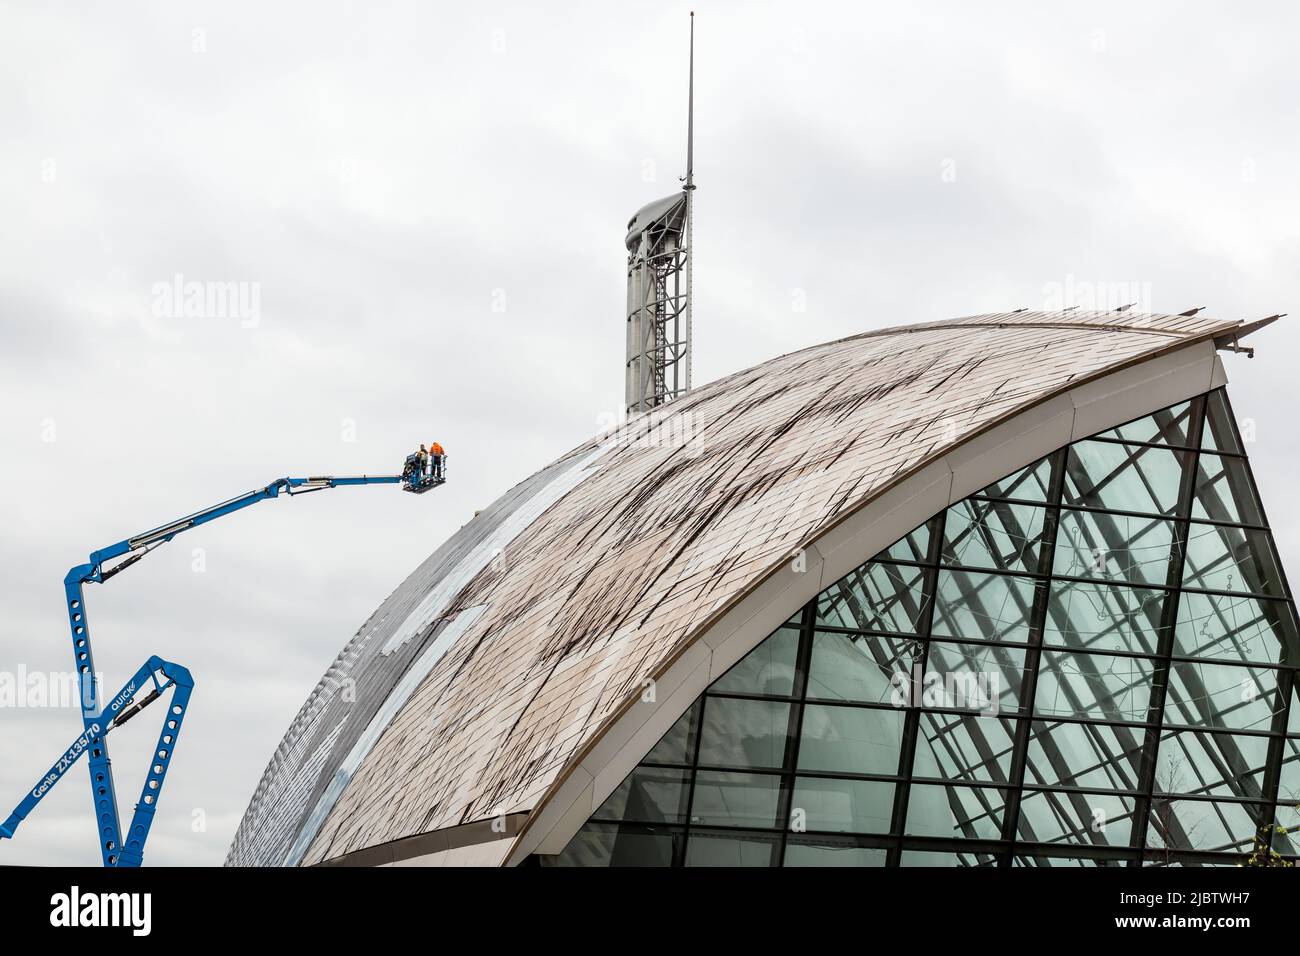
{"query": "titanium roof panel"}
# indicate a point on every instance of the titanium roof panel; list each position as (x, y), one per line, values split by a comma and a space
(582, 581)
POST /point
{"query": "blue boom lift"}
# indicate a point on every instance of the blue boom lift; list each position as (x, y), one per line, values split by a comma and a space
(157, 676)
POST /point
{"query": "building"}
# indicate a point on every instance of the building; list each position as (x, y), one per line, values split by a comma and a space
(995, 590)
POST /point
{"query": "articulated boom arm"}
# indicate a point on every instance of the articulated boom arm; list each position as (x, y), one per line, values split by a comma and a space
(121, 709)
(98, 720)
(143, 543)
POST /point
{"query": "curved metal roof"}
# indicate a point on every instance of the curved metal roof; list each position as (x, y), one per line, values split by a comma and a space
(469, 692)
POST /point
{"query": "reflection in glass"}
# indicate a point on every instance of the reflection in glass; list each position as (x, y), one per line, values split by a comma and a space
(1224, 491)
(678, 745)
(1200, 825)
(1093, 686)
(964, 748)
(768, 669)
(1211, 764)
(876, 597)
(1097, 616)
(648, 795)
(728, 848)
(1092, 756)
(1083, 819)
(1117, 477)
(842, 806)
(972, 813)
(913, 546)
(986, 678)
(743, 733)
(932, 859)
(993, 534)
(735, 799)
(1202, 694)
(1168, 426)
(1236, 628)
(978, 606)
(1220, 432)
(1115, 548)
(606, 844)
(831, 851)
(1224, 558)
(856, 667)
(1028, 484)
(850, 739)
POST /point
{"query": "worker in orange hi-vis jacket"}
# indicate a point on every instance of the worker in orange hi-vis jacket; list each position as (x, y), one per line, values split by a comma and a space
(435, 454)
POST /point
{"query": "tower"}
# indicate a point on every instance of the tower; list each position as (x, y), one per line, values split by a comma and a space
(659, 296)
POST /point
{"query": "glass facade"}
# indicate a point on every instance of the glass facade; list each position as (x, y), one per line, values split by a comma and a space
(1089, 662)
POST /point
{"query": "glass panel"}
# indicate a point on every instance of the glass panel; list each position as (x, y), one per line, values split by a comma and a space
(648, 795)
(1222, 696)
(931, 859)
(993, 534)
(914, 546)
(1085, 819)
(744, 733)
(1200, 763)
(1288, 793)
(678, 745)
(1093, 756)
(972, 813)
(1104, 617)
(768, 669)
(842, 806)
(830, 851)
(979, 677)
(1029, 484)
(735, 799)
(728, 848)
(1200, 825)
(1093, 544)
(876, 597)
(962, 748)
(977, 606)
(1221, 558)
(1042, 859)
(1224, 491)
(1220, 430)
(1095, 686)
(850, 739)
(857, 668)
(1123, 477)
(1236, 628)
(608, 844)
(1168, 426)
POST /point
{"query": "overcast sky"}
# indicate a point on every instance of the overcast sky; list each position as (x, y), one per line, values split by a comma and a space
(424, 207)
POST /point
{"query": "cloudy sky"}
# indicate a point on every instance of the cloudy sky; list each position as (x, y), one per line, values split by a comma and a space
(423, 207)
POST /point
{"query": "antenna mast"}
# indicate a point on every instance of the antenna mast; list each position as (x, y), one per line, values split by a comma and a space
(690, 202)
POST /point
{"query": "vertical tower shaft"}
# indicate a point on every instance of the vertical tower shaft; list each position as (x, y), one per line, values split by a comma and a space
(659, 286)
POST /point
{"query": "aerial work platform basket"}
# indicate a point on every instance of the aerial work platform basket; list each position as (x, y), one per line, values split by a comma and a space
(418, 479)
